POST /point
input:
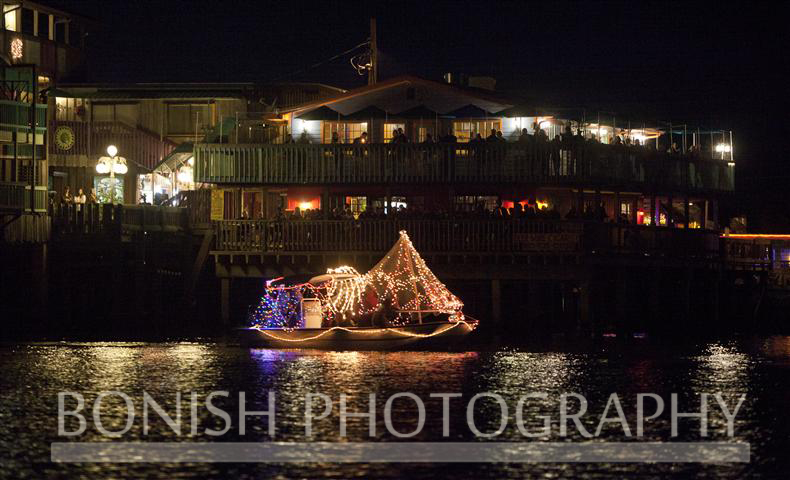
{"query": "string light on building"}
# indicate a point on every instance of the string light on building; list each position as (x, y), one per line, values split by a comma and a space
(17, 49)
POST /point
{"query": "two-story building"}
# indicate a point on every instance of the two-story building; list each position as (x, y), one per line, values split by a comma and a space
(39, 45)
(154, 126)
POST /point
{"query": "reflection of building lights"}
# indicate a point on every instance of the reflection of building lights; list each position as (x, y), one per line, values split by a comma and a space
(17, 48)
(730, 164)
(542, 205)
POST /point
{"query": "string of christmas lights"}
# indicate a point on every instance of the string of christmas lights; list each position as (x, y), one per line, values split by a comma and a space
(400, 286)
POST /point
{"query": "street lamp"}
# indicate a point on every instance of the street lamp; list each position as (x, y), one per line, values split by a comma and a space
(112, 164)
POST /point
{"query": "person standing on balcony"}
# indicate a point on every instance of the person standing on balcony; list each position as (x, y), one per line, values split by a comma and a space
(362, 139)
(304, 139)
(493, 137)
(66, 199)
(92, 198)
(79, 203)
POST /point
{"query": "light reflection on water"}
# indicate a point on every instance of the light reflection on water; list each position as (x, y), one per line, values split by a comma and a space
(32, 375)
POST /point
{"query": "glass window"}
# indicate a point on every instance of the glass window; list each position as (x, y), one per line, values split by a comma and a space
(69, 108)
(27, 21)
(60, 30)
(43, 25)
(465, 130)
(346, 132)
(185, 119)
(103, 113)
(389, 127)
(357, 204)
(126, 114)
(10, 16)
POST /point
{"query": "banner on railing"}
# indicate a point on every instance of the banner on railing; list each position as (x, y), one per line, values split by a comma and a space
(217, 204)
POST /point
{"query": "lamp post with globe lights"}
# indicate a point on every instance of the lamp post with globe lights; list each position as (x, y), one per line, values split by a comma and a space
(112, 164)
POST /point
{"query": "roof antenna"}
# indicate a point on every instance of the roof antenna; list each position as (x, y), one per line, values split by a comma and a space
(374, 54)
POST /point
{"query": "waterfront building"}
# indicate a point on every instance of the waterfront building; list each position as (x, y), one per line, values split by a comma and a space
(39, 46)
(532, 202)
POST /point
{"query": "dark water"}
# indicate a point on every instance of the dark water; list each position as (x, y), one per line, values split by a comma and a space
(31, 375)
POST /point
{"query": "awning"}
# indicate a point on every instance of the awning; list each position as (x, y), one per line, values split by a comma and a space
(220, 130)
(177, 157)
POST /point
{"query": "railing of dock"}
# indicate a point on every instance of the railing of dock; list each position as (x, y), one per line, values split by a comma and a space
(461, 236)
(544, 163)
(116, 219)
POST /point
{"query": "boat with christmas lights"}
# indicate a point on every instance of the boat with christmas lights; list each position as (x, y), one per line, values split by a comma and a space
(399, 303)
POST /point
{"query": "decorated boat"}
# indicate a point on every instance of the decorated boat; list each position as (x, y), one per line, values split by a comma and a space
(398, 304)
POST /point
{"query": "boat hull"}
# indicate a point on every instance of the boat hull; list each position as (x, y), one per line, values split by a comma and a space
(420, 336)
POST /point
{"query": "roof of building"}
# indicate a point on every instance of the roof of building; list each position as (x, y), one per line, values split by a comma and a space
(144, 91)
(392, 96)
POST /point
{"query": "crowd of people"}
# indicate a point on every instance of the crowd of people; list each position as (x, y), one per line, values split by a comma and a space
(519, 210)
(79, 200)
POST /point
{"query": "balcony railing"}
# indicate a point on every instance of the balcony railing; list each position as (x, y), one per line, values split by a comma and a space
(114, 219)
(12, 196)
(462, 236)
(92, 139)
(588, 164)
(17, 115)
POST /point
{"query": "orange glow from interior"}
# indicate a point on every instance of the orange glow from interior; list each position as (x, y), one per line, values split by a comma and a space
(304, 203)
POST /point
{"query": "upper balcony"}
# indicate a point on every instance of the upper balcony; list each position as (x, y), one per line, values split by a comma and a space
(583, 163)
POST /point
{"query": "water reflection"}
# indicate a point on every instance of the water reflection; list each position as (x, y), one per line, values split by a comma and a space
(32, 375)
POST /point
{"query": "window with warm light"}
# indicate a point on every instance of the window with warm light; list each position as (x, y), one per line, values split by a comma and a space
(9, 14)
(357, 204)
(388, 130)
(346, 132)
(466, 130)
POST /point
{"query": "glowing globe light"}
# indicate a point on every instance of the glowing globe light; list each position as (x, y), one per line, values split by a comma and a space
(119, 168)
(102, 168)
(112, 150)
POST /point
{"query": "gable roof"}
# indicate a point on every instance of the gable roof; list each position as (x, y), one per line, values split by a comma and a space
(439, 97)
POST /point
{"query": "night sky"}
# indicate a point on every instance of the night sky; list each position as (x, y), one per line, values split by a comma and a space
(712, 64)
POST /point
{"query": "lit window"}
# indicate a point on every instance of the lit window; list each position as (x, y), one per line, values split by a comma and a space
(466, 130)
(346, 132)
(10, 17)
(388, 130)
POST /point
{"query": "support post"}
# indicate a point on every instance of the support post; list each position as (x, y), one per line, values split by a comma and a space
(225, 300)
(496, 302)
